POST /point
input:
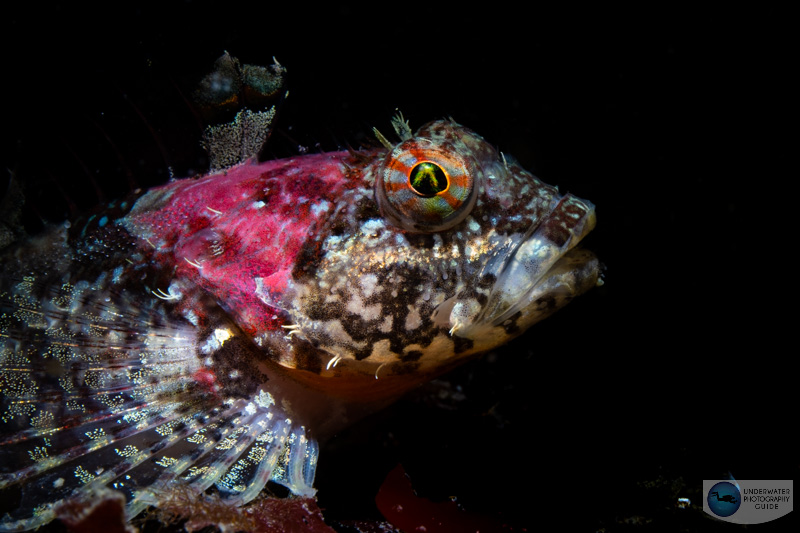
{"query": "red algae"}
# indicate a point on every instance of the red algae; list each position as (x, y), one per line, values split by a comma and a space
(101, 510)
(267, 515)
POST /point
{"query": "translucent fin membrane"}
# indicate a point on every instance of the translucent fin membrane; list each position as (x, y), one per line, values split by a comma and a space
(96, 390)
(236, 454)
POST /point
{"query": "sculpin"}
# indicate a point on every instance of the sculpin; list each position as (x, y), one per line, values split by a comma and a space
(211, 331)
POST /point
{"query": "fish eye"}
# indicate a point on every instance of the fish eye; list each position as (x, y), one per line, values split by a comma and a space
(426, 186)
(428, 179)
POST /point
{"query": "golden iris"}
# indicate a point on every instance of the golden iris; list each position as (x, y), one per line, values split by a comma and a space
(427, 179)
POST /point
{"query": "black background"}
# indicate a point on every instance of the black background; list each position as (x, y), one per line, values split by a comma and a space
(672, 121)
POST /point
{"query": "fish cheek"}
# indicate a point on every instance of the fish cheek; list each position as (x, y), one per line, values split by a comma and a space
(341, 305)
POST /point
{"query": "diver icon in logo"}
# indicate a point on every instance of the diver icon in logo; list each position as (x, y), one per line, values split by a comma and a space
(724, 499)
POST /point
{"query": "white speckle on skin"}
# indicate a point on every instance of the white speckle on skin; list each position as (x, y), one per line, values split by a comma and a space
(367, 312)
(386, 325)
(369, 284)
(335, 330)
(333, 297)
(174, 290)
(222, 334)
(372, 312)
(264, 399)
(216, 340)
(355, 304)
(533, 205)
(320, 208)
(372, 226)
(258, 205)
(191, 316)
(413, 320)
(473, 225)
(332, 242)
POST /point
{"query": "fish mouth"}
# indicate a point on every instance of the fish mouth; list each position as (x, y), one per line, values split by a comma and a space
(541, 272)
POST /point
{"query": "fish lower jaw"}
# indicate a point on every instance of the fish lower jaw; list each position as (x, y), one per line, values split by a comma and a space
(508, 314)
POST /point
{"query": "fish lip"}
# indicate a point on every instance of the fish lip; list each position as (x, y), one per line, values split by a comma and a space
(545, 261)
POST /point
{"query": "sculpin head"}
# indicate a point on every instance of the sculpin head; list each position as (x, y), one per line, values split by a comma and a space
(440, 249)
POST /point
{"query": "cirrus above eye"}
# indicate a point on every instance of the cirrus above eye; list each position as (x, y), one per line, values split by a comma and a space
(424, 187)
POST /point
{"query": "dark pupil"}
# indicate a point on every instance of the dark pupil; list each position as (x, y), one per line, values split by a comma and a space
(427, 179)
